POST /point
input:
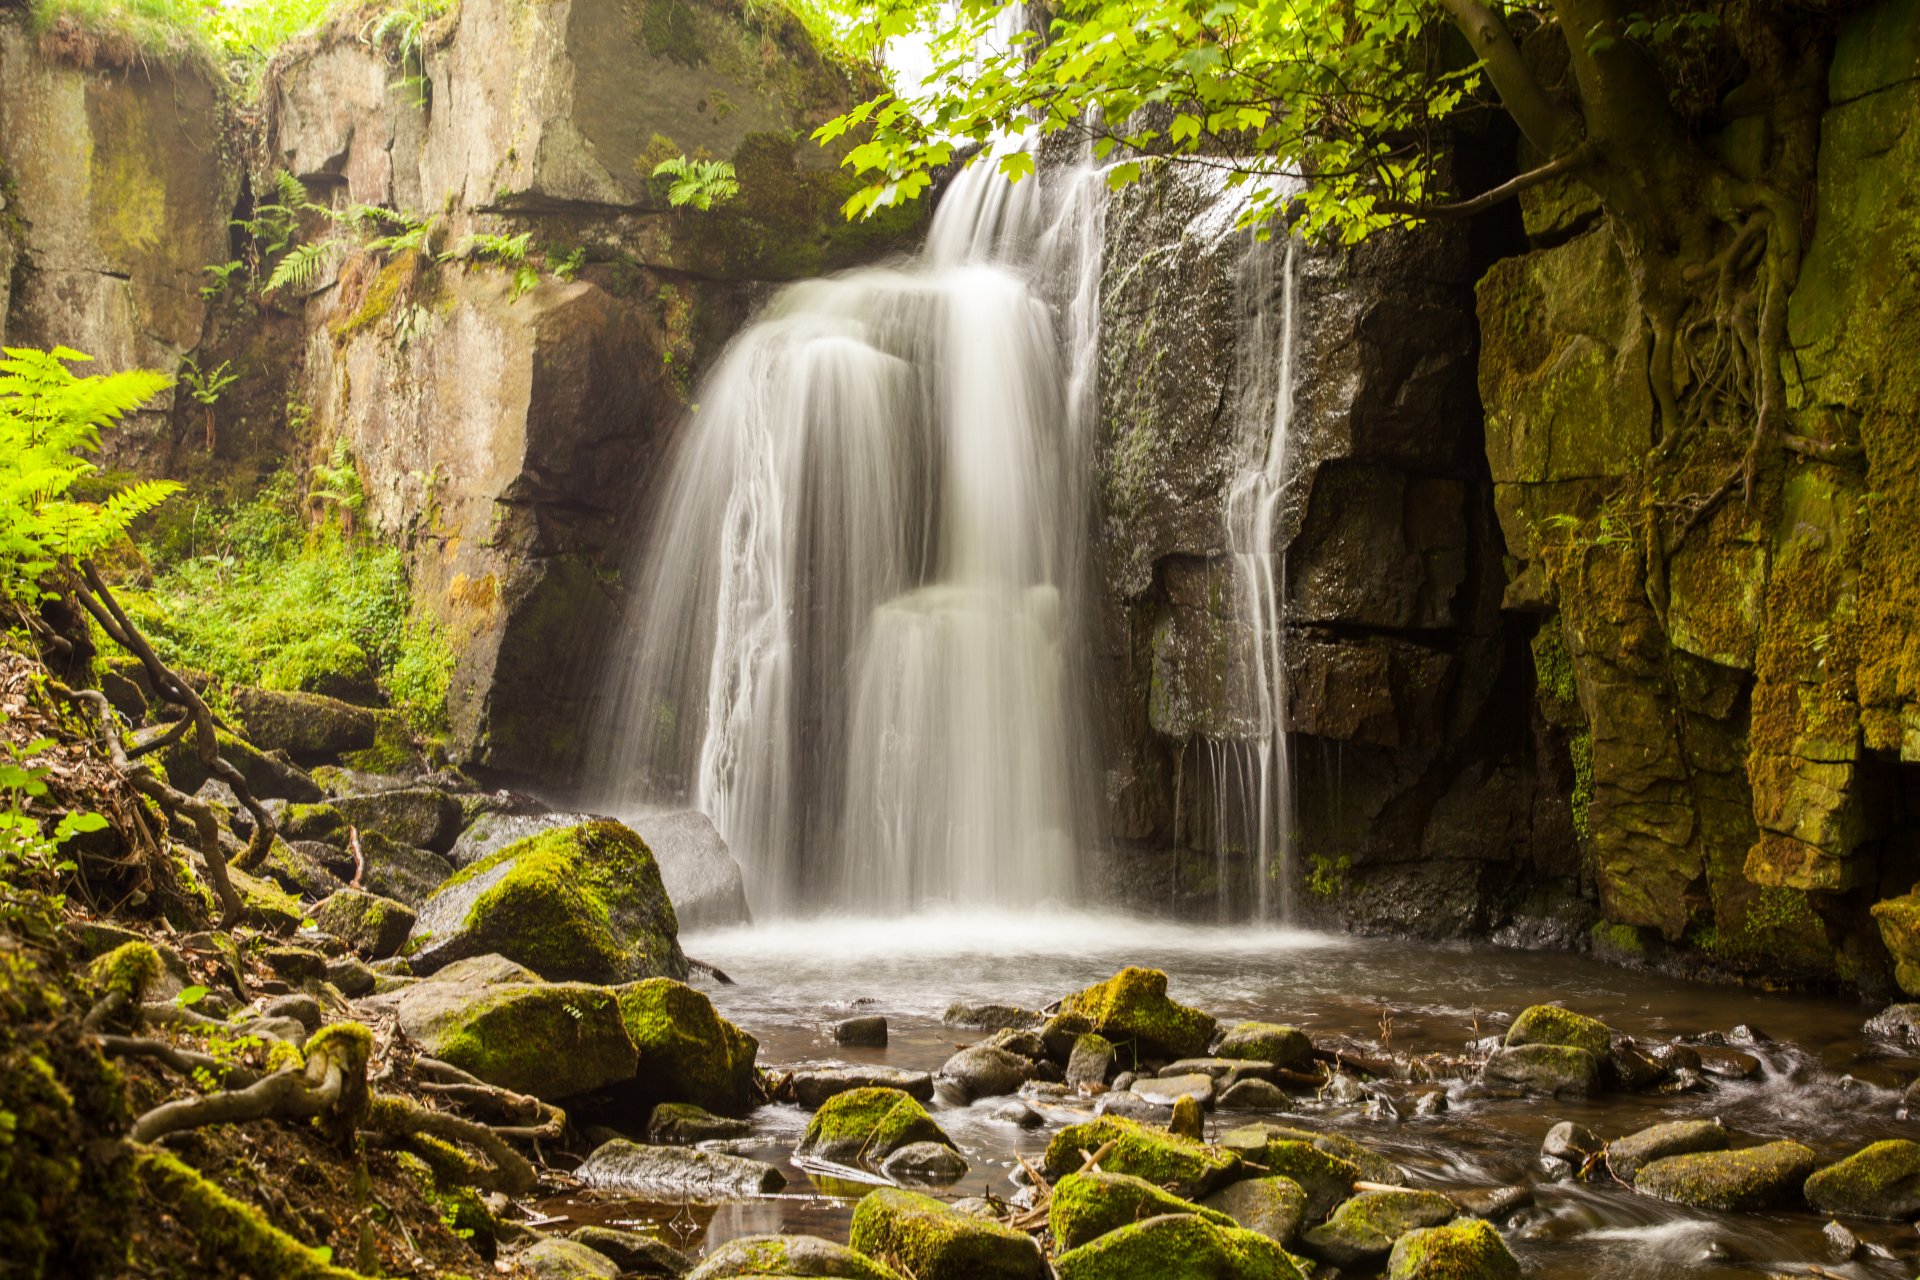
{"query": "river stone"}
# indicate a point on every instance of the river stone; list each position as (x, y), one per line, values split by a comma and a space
(1467, 1249)
(400, 871)
(788, 1256)
(421, 816)
(1274, 1207)
(987, 1072)
(1128, 1104)
(1492, 1203)
(1167, 1090)
(1086, 1206)
(1017, 1040)
(1627, 1067)
(1752, 1178)
(1728, 1064)
(1178, 1246)
(1550, 1024)
(1626, 1156)
(1020, 1114)
(1557, 1070)
(303, 867)
(1326, 1178)
(310, 727)
(582, 903)
(372, 926)
(869, 1032)
(688, 1053)
(1253, 1095)
(555, 1258)
(507, 1033)
(1877, 1181)
(683, 1124)
(923, 1238)
(1186, 1168)
(928, 1163)
(1132, 1007)
(1897, 1022)
(1284, 1047)
(676, 1172)
(812, 1086)
(634, 1253)
(1251, 1142)
(1090, 1062)
(1364, 1227)
(867, 1124)
(990, 1017)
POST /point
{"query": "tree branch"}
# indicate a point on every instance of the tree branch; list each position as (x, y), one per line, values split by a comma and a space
(1563, 163)
(1548, 126)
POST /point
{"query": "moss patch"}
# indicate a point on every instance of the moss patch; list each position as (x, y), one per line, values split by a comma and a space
(921, 1237)
(1132, 1006)
(1751, 1178)
(1086, 1206)
(688, 1053)
(868, 1124)
(1877, 1181)
(1178, 1247)
(1184, 1167)
(1551, 1024)
(1469, 1249)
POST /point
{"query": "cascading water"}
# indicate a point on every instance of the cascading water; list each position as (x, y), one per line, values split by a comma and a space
(853, 638)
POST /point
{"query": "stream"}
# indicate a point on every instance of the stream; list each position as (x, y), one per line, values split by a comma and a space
(1825, 1081)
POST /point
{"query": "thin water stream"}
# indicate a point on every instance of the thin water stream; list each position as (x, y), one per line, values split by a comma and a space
(1825, 1082)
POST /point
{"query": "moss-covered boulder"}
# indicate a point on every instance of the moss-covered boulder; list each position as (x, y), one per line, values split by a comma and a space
(1466, 1249)
(688, 1053)
(557, 1259)
(788, 1256)
(320, 822)
(1626, 1156)
(1315, 1161)
(1877, 1181)
(372, 926)
(1364, 1228)
(419, 816)
(919, 1236)
(1182, 1166)
(1178, 1246)
(1750, 1178)
(1251, 1141)
(1090, 1063)
(583, 903)
(637, 1254)
(1899, 921)
(552, 1040)
(269, 777)
(303, 867)
(1086, 1206)
(1132, 1007)
(1551, 1024)
(869, 1124)
(1275, 1207)
(1557, 1070)
(403, 872)
(1283, 1046)
(309, 727)
(682, 1124)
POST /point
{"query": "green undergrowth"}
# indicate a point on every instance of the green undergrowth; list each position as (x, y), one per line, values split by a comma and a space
(219, 34)
(254, 594)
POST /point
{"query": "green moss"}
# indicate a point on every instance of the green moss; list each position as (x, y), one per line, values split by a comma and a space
(312, 822)
(386, 288)
(1876, 1181)
(1618, 940)
(1554, 679)
(128, 970)
(1367, 1224)
(868, 1124)
(1184, 1167)
(1551, 1024)
(551, 1040)
(919, 1236)
(1132, 1006)
(1282, 1046)
(668, 29)
(688, 1053)
(228, 1229)
(1751, 1178)
(1088, 1205)
(1468, 1249)
(461, 1209)
(1580, 751)
(1178, 1247)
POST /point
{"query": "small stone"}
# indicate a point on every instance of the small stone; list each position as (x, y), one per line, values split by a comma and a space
(1728, 1064)
(1085, 1206)
(303, 1009)
(1626, 1067)
(1132, 1106)
(1255, 1095)
(1188, 1121)
(986, 1072)
(869, 1032)
(811, 1086)
(1285, 1047)
(1125, 1080)
(683, 1124)
(1571, 1142)
(929, 1163)
(371, 925)
(1018, 1113)
(868, 1124)
(1842, 1244)
(1549, 1024)
(295, 964)
(351, 976)
(1143, 1250)
(633, 1253)
(558, 1259)
(1492, 1203)
(1166, 1091)
(990, 1017)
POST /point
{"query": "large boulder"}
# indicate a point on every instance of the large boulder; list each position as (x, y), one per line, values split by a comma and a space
(1179, 1246)
(869, 1124)
(1626, 1156)
(700, 873)
(583, 903)
(421, 816)
(788, 1255)
(1282, 1046)
(1466, 1249)
(1363, 1229)
(373, 926)
(403, 872)
(688, 1053)
(921, 1237)
(1132, 1008)
(1877, 1181)
(674, 1173)
(1086, 1206)
(309, 727)
(1184, 1167)
(987, 1071)
(1751, 1178)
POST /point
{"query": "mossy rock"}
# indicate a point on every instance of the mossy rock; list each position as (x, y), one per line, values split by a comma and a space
(868, 1124)
(552, 1040)
(1465, 1249)
(1877, 1181)
(1626, 1156)
(582, 903)
(1179, 1246)
(1250, 1142)
(636, 1253)
(1556, 1070)
(320, 822)
(683, 1124)
(555, 1258)
(268, 777)
(1326, 1178)
(302, 867)
(1184, 1167)
(406, 873)
(1285, 1047)
(688, 1053)
(267, 905)
(419, 816)
(1086, 1206)
(788, 1256)
(1274, 1207)
(1751, 1178)
(372, 926)
(928, 1240)
(1132, 1007)
(1364, 1227)
(1550, 1024)
(307, 726)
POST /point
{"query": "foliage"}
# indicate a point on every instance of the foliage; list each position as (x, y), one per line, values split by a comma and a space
(239, 35)
(48, 419)
(207, 385)
(700, 183)
(506, 251)
(30, 855)
(400, 30)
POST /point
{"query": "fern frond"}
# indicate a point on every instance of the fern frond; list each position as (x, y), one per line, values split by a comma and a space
(302, 265)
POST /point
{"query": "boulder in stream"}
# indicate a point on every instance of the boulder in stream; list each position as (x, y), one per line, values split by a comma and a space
(928, 1163)
(811, 1086)
(1086, 1206)
(1552, 1069)
(1877, 1181)
(581, 903)
(869, 1124)
(1091, 1061)
(1466, 1249)
(1133, 1007)
(1275, 1207)
(1178, 1246)
(682, 1124)
(1251, 1142)
(786, 1255)
(868, 1032)
(990, 1017)
(1285, 1047)
(1551, 1024)
(1253, 1095)
(1165, 1091)
(688, 1052)
(1184, 1167)
(1626, 1156)
(986, 1071)
(1363, 1229)
(676, 1172)
(1759, 1177)
(921, 1237)
(555, 1258)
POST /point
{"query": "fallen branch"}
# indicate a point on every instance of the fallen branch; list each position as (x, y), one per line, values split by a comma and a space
(186, 1061)
(512, 1173)
(333, 1083)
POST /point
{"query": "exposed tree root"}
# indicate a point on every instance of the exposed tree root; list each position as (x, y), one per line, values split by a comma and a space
(228, 1229)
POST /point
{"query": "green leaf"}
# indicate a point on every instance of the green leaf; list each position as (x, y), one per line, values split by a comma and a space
(190, 996)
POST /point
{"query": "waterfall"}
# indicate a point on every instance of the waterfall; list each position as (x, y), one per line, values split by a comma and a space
(853, 636)
(1254, 771)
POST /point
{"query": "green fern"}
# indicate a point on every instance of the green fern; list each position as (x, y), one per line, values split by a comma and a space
(302, 265)
(700, 183)
(48, 419)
